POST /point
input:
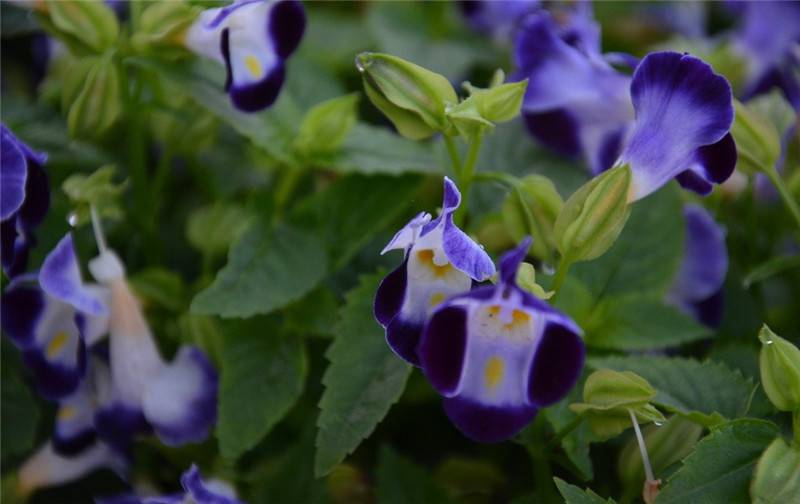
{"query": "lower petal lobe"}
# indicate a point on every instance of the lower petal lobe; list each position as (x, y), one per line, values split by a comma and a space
(442, 349)
(487, 424)
(556, 365)
(390, 295)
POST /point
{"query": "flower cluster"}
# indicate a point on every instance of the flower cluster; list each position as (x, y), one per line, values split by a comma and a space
(495, 352)
(253, 39)
(107, 393)
(195, 490)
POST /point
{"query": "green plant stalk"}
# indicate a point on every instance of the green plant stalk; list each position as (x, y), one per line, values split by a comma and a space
(455, 159)
(286, 186)
(786, 196)
(560, 276)
(564, 432)
(466, 176)
(796, 429)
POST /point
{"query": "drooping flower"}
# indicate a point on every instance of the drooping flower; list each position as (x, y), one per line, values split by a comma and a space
(177, 400)
(498, 354)
(253, 39)
(25, 200)
(576, 103)
(52, 318)
(684, 112)
(697, 287)
(769, 37)
(195, 491)
(440, 261)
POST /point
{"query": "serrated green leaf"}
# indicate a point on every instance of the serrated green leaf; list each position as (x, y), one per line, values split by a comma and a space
(647, 253)
(576, 443)
(705, 392)
(363, 380)
(400, 481)
(633, 322)
(352, 211)
(372, 150)
(267, 269)
(720, 468)
(263, 374)
(574, 495)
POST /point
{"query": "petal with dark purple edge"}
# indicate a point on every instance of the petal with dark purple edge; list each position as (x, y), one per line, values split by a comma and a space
(20, 312)
(608, 151)
(74, 429)
(403, 338)
(408, 234)
(202, 492)
(705, 258)
(37, 198)
(390, 295)
(443, 347)
(681, 105)
(556, 129)
(13, 174)
(222, 13)
(287, 22)
(466, 255)
(556, 364)
(712, 164)
(57, 376)
(710, 310)
(117, 424)
(181, 403)
(48, 468)
(15, 246)
(255, 96)
(60, 277)
(510, 261)
(94, 327)
(487, 424)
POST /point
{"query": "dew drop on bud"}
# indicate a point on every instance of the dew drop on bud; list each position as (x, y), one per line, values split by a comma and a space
(548, 269)
(72, 219)
(658, 424)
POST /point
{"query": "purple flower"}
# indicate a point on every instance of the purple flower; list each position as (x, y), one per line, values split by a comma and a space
(498, 17)
(253, 39)
(25, 200)
(195, 490)
(440, 261)
(176, 400)
(575, 103)
(52, 318)
(767, 37)
(684, 112)
(498, 354)
(697, 287)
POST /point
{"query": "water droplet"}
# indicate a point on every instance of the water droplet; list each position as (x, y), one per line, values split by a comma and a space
(548, 269)
(72, 219)
(769, 342)
(360, 64)
(658, 424)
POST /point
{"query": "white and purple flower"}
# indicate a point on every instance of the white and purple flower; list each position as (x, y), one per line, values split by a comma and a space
(253, 39)
(497, 18)
(52, 318)
(25, 200)
(195, 491)
(440, 261)
(698, 286)
(498, 355)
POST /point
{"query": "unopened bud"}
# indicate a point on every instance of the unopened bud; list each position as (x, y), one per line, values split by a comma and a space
(162, 26)
(86, 27)
(99, 103)
(776, 476)
(780, 370)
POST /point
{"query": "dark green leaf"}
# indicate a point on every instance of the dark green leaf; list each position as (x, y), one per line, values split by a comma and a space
(315, 314)
(706, 392)
(266, 270)
(576, 443)
(720, 468)
(20, 416)
(160, 286)
(574, 495)
(262, 376)
(400, 481)
(363, 380)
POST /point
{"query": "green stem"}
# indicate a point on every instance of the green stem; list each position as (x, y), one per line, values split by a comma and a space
(796, 428)
(564, 432)
(786, 196)
(467, 174)
(286, 186)
(455, 159)
(561, 275)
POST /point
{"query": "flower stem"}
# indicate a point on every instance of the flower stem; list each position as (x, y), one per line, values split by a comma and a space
(648, 469)
(455, 159)
(786, 196)
(466, 176)
(560, 276)
(564, 432)
(97, 226)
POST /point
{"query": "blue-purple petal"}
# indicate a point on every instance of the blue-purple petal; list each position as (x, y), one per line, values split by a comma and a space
(55, 379)
(286, 26)
(465, 254)
(556, 365)
(60, 277)
(487, 424)
(443, 347)
(37, 198)
(20, 312)
(13, 174)
(557, 129)
(117, 424)
(403, 337)
(390, 295)
(510, 261)
(203, 493)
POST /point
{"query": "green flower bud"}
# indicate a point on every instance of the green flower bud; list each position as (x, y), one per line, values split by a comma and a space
(99, 103)
(326, 125)
(526, 279)
(608, 396)
(98, 190)
(758, 142)
(780, 370)
(777, 476)
(500, 103)
(86, 27)
(468, 120)
(412, 97)
(666, 445)
(593, 217)
(544, 202)
(162, 26)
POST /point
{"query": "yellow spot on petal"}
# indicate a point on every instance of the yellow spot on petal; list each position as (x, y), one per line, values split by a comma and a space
(494, 310)
(57, 343)
(493, 371)
(425, 256)
(253, 66)
(66, 413)
(436, 298)
(519, 317)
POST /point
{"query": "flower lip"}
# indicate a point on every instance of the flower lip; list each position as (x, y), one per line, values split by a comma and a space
(60, 278)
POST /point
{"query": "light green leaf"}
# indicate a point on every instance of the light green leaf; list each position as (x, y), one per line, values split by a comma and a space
(211, 229)
(372, 150)
(267, 269)
(363, 380)
(647, 253)
(262, 376)
(327, 124)
(352, 211)
(574, 495)
(705, 392)
(400, 481)
(720, 468)
(634, 322)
